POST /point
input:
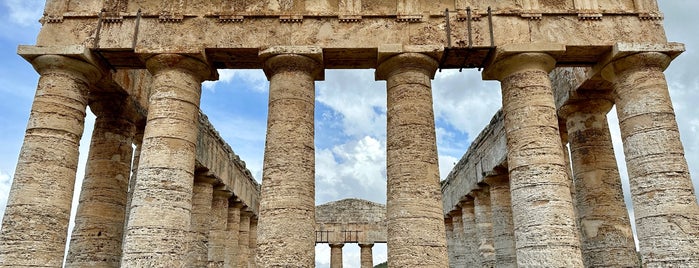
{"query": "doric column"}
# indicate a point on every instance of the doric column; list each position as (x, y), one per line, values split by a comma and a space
(218, 234)
(665, 207)
(607, 240)
(35, 224)
(413, 205)
(244, 239)
(253, 241)
(484, 226)
(233, 230)
(503, 232)
(138, 142)
(449, 230)
(472, 256)
(543, 214)
(458, 235)
(202, 198)
(287, 198)
(366, 256)
(159, 223)
(336, 255)
(99, 223)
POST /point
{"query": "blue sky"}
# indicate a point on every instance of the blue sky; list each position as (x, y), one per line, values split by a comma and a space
(350, 113)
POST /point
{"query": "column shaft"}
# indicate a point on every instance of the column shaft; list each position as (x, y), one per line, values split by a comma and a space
(99, 223)
(35, 224)
(244, 239)
(202, 198)
(233, 230)
(288, 182)
(458, 234)
(665, 207)
(503, 232)
(336, 255)
(449, 229)
(253, 242)
(413, 206)
(366, 255)
(472, 256)
(484, 225)
(607, 240)
(138, 142)
(159, 223)
(218, 234)
(543, 214)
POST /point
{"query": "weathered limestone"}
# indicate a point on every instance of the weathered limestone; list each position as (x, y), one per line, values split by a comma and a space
(503, 232)
(607, 240)
(99, 223)
(366, 255)
(202, 198)
(253, 242)
(459, 252)
(138, 142)
(217, 233)
(543, 216)
(472, 257)
(413, 207)
(336, 255)
(35, 224)
(665, 207)
(288, 180)
(233, 231)
(451, 240)
(244, 239)
(484, 226)
(160, 212)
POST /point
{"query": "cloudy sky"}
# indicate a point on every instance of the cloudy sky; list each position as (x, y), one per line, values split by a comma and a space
(350, 113)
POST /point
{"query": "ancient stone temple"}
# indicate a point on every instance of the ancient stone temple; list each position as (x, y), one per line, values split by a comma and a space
(539, 187)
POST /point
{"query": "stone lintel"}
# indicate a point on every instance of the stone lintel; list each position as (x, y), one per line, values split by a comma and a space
(554, 50)
(387, 51)
(78, 52)
(313, 52)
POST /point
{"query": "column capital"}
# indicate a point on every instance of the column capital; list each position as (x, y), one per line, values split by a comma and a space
(205, 178)
(406, 61)
(336, 245)
(497, 178)
(222, 193)
(518, 62)
(46, 63)
(591, 106)
(633, 62)
(308, 59)
(366, 245)
(195, 67)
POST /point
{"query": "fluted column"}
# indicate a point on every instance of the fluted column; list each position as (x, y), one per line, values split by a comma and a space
(413, 202)
(607, 240)
(159, 223)
(244, 239)
(253, 241)
(336, 255)
(35, 224)
(665, 207)
(472, 256)
(366, 255)
(458, 234)
(99, 223)
(503, 232)
(202, 198)
(543, 214)
(217, 233)
(287, 198)
(233, 230)
(484, 226)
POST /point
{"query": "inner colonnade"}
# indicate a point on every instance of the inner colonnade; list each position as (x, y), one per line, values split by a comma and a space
(514, 200)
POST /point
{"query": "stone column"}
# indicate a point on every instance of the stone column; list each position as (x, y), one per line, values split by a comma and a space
(161, 206)
(413, 205)
(543, 215)
(366, 255)
(607, 240)
(253, 241)
(244, 239)
(472, 256)
(336, 255)
(35, 224)
(449, 230)
(484, 226)
(138, 142)
(287, 198)
(218, 233)
(503, 232)
(202, 198)
(99, 223)
(233, 230)
(665, 207)
(458, 236)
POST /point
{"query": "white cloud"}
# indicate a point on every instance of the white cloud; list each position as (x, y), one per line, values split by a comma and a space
(25, 12)
(256, 79)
